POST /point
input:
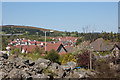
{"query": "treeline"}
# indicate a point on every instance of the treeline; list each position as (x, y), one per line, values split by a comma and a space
(93, 36)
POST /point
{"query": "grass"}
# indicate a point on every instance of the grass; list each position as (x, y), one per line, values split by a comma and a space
(31, 56)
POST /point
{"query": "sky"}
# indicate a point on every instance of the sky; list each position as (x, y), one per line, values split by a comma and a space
(63, 16)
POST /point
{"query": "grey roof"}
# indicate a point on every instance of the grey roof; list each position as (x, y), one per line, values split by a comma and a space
(69, 49)
(102, 45)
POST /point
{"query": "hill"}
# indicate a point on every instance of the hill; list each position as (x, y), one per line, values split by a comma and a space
(15, 29)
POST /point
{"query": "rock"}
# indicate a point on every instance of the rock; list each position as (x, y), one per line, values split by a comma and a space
(55, 66)
(41, 68)
(24, 74)
(49, 75)
(5, 56)
(20, 65)
(44, 65)
(38, 69)
(39, 76)
(65, 67)
(2, 75)
(56, 70)
(90, 73)
(31, 64)
(40, 60)
(76, 75)
(71, 64)
(83, 73)
(26, 62)
(15, 73)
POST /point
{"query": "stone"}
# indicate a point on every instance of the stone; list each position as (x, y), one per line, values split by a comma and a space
(40, 60)
(5, 56)
(41, 68)
(24, 74)
(38, 69)
(66, 67)
(31, 64)
(71, 64)
(15, 73)
(26, 62)
(39, 76)
(2, 75)
(57, 70)
(44, 65)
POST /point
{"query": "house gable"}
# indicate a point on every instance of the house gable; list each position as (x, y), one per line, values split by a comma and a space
(61, 49)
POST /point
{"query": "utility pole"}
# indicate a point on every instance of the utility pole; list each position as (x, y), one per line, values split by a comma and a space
(45, 40)
(90, 60)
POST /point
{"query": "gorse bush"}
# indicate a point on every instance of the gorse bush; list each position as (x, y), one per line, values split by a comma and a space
(67, 58)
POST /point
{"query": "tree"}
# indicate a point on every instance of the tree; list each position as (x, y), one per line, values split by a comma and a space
(4, 42)
(76, 33)
(53, 56)
(79, 40)
(111, 36)
(84, 59)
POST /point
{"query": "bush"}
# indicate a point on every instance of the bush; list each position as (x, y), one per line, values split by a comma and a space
(102, 66)
(84, 59)
(67, 58)
(79, 40)
(15, 51)
(53, 56)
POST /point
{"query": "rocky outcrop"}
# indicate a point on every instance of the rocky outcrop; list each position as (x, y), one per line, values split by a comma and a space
(15, 67)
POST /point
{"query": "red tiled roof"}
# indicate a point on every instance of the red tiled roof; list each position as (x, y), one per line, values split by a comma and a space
(38, 42)
(51, 46)
(32, 42)
(13, 42)
(25, 40)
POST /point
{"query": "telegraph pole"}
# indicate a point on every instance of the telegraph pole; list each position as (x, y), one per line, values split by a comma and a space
(90, 60)
(91, 57)
(45, 40)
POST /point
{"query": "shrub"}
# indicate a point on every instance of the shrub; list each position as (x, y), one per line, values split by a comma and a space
(53, 56)
(84, 59)
(67, 58)
(102, 66)
(15, 51)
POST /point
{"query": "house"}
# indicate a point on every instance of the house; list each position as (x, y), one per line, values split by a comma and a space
(100, 45)
(116, 50)
(39, 43)
(57, 47)
(32, 43)
(29, 48)
(69, 48)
